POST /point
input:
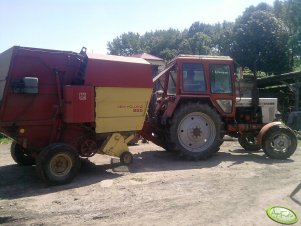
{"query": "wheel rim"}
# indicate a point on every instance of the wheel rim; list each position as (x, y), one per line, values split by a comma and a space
(281, 143)
(60, 165)
(196, 132)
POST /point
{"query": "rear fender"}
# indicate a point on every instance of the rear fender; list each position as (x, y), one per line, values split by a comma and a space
(178, 101)
(171, 106)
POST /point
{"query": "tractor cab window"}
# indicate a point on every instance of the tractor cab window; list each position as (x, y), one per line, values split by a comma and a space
(220, 78)
(172, 78)
(166, 79)
(159, 84)
(238, 71)
(193, 78)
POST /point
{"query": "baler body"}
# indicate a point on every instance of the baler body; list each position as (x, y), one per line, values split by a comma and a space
(50, 96)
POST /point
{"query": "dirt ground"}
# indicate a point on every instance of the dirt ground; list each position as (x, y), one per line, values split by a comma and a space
(231, 188)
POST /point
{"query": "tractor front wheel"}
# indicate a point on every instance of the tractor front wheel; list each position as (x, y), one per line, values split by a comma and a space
(20, 156)
(58, 164)
(279, 142)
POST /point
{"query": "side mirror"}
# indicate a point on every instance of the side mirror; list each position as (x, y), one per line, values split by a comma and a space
(28, 85)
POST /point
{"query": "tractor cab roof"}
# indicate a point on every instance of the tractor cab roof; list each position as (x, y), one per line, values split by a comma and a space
(183, 57)
(202, 57)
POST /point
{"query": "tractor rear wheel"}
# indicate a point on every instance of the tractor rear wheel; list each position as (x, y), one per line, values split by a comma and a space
(196, 131)
(58, 164)
(279, 142)
(248, 142)
(165, 138)
(19, 155)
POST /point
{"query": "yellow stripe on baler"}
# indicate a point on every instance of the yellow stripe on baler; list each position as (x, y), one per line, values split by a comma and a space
(120, 109)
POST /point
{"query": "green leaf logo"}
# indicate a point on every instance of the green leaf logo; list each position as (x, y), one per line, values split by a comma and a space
(282, 215)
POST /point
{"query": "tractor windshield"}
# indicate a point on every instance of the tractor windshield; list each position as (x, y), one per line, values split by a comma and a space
(193, 78)
(220, 78)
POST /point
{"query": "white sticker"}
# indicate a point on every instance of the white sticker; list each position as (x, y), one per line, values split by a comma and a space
(82, 96)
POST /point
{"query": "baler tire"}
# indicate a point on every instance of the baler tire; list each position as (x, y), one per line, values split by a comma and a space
(58, 164)
(247, 144)
(126, 158)
(201, 138)
(20, 156)
(277, 138)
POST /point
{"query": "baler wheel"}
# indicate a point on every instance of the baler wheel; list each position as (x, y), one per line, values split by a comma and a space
(126, 158)
(279, 142)
(20, 156)
(58, 164)
(196, 131)
(88, 148)
(248, 143)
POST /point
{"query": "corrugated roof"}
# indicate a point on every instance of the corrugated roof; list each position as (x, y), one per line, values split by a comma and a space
(146, 56)
(117, 58)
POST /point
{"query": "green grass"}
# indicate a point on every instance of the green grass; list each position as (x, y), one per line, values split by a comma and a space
(298, 67)
(5, 140)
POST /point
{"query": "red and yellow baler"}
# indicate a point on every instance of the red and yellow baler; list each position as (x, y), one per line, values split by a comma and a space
(58, 106)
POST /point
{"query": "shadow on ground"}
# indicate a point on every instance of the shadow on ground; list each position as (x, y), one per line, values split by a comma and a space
(294, 193)
(20, 181)
(152, 161)
(23, 181)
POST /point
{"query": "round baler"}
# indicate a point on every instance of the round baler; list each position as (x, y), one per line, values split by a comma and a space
(59, 106)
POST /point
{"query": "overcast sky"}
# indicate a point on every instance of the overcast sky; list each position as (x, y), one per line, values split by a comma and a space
(71, 24)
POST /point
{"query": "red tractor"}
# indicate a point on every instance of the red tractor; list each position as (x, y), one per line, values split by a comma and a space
(196, 101)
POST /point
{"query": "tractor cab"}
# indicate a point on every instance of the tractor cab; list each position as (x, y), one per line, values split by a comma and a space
(210, 78)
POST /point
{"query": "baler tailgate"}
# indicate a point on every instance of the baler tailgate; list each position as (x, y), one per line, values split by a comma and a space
(121, 109)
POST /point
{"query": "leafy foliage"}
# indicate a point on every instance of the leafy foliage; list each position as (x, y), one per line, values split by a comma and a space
(260, 41)
(4, 139)
(125, 45)
(290, 13)
(265, 38)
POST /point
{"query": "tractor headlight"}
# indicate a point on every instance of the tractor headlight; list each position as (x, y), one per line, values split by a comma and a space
(225, 105)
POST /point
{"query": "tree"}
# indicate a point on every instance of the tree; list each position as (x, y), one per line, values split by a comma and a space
(196, 27)
(223, 39)
(290, 13)
(162, 43)
(260, 41)
(264, 38)
(126, 44)
(200, 44)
